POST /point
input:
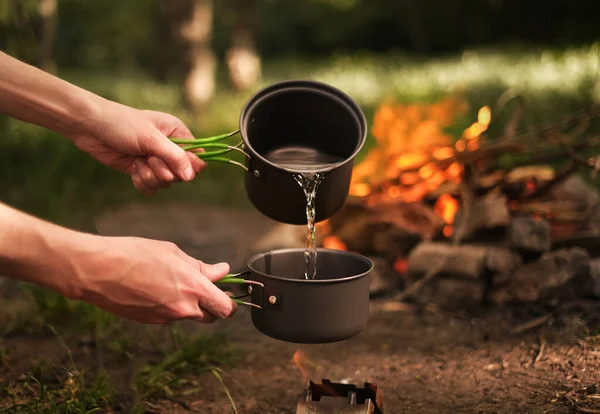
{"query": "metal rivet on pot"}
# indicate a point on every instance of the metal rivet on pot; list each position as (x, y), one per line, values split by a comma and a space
(272, 300)
(249, 289)
(256, 173)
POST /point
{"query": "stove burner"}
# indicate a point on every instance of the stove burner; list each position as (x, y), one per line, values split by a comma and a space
(337, 398)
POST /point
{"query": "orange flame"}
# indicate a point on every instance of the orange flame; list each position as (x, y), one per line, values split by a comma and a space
(446, 207)
(410, 140)
(530, 186)
(301, 362)
(298, 359)
(332, 242)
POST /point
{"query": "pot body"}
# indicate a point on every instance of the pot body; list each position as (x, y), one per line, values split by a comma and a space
(330, 308)
(307, 115)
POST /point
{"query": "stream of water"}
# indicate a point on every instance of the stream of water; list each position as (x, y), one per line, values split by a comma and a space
(306, 161)
(309, 182)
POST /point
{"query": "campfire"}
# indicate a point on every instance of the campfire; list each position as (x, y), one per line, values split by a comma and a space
(509, 214)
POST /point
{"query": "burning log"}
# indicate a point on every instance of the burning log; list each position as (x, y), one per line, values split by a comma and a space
(414, 218)
(390, 230)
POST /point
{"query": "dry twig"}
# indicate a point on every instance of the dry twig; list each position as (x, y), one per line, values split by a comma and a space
(467, 203)
(540, 353)
(531, 324)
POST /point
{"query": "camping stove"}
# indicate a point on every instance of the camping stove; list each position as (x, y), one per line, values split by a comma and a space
(337, 398)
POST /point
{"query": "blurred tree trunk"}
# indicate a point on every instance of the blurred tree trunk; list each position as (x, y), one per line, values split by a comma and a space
(197, 30)
(412, 18)
(243, 61)
(48, 15)
(191, 23)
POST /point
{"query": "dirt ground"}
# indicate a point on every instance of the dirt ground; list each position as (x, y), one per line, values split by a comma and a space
(425, 359)
(428, 362)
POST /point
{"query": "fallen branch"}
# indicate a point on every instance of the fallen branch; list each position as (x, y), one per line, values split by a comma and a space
(586, 410)
(532, 324)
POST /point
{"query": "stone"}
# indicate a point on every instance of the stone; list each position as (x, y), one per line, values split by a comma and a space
(595, 278)
(501, 263)
(487, 212)
(529, 234)
(557, 275)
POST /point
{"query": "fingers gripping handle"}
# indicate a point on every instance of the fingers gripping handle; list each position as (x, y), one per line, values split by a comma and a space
(237, 279)
(213, 142)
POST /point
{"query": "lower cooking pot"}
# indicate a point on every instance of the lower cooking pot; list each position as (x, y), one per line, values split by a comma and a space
(286, 306)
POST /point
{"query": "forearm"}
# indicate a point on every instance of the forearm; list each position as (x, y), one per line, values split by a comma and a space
(35, 251)
(34, 96)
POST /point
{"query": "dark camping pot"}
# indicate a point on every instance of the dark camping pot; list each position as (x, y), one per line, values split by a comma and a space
(332, 307)
(300, 120)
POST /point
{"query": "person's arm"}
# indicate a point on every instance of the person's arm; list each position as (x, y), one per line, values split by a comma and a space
(32, 95)
(143, 280)
(129, 140)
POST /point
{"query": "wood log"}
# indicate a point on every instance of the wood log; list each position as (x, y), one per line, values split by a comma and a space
(588, 240)
(465, 261)
(416, 218)
(487, 212)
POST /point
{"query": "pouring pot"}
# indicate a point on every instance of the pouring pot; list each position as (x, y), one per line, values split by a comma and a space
(301, 114)
(286, 306)
(305, 117)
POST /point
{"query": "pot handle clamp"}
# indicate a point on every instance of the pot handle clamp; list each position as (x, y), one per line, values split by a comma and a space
(238, 279)
(214, 143)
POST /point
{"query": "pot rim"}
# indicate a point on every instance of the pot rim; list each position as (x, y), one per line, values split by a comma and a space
(300, 83)
(312, 281)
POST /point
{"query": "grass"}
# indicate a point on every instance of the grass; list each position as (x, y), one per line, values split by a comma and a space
(205, 353)
(63, 380)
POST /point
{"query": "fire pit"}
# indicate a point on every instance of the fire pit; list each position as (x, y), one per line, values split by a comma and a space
(503, 219)
(331, 397)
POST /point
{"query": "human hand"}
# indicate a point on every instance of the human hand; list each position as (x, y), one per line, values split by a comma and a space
(151, 281)
(135, 142)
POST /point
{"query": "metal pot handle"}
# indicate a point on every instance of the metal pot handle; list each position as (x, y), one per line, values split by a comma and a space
(213, 142)
(238, 279)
